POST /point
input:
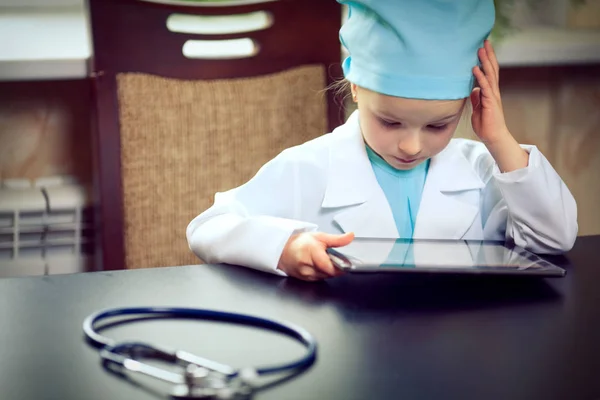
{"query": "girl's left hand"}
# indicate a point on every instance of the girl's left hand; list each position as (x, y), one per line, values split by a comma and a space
(488, 116)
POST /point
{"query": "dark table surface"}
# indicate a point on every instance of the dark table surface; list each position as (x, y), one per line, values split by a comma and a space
(379, 336)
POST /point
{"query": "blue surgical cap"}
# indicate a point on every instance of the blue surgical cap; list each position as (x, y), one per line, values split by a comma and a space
(422, 49)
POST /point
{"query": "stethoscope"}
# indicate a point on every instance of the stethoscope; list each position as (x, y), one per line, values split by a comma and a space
(201, 377)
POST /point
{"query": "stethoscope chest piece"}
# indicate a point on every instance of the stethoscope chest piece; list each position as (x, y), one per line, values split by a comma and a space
(202, 383)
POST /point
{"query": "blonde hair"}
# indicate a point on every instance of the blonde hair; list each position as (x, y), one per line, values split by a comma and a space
(342, 92)
(341, 88)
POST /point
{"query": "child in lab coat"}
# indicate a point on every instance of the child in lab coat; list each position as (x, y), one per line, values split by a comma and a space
(393, 169)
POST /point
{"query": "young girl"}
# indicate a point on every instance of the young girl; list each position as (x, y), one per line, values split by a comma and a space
(393, 169)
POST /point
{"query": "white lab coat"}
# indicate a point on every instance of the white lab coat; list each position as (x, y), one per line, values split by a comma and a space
(328, 185)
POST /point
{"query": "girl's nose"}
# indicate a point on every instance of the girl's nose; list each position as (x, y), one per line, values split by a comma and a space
(410, 146)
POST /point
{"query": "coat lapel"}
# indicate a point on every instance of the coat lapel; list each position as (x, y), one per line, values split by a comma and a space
(352, 189)
(442, 215)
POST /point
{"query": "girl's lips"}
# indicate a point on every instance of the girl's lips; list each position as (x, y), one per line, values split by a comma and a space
(404, 161)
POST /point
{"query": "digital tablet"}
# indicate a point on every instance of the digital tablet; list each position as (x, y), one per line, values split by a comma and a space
(441, 257)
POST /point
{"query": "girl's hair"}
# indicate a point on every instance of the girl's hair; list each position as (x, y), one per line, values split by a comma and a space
(341, 90)
(342, 93)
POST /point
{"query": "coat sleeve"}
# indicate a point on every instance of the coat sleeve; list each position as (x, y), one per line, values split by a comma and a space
(251, 224)
(531, 207)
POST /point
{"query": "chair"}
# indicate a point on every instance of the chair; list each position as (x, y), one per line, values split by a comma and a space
(172, 130)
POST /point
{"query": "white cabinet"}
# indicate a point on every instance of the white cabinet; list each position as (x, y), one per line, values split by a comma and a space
(45, 227)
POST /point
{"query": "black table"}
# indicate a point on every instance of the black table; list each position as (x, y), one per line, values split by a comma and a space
(379, 336)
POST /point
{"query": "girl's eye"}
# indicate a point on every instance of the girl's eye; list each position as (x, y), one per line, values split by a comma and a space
(388, 124)
(438, 127)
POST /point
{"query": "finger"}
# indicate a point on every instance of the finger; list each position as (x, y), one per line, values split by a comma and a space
(345, 239)
(486, 62)
(312, 278)
(335, 240)
(475, 98)
(488, 69)
(492, 55)
(318, 277)
(307, 273)
(486, 90)
(322, 262)
(336, 271)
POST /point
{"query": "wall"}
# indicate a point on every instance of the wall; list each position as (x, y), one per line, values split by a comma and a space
(45, 129)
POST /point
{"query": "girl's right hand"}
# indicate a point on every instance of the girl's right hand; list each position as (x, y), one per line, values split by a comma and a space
(304, 255)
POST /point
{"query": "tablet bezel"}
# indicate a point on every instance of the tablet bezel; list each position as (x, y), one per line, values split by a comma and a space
(341, 261)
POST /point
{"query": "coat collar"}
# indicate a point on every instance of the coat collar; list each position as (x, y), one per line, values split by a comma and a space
(351, 178)
(353, 187)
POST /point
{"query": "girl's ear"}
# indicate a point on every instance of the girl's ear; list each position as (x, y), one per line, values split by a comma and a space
(354, 90)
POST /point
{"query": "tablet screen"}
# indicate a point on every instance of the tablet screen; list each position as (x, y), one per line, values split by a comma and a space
(368, 254)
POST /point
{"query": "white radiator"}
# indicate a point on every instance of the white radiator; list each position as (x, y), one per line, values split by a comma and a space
(45, 227)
